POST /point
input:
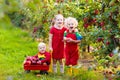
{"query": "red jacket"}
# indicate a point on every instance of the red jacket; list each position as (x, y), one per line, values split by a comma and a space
(47, 57)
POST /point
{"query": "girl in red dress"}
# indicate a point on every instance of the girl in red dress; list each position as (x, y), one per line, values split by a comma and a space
(56, 42)
(72, 38)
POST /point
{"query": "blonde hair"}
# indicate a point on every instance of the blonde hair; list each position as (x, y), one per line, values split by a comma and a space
(41, 44)
(53, 20)
(69, 19)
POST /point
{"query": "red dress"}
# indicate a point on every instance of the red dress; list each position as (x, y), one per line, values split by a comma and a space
(57, 42)
(71, 50)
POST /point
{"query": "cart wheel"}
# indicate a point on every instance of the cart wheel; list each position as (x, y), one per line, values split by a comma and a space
(44, 72)
(27, 71)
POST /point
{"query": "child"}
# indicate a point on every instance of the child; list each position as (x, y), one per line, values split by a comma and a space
(56, 42)
(72, 38)
(43, 56)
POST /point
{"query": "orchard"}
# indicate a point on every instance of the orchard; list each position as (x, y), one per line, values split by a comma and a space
(98, 23)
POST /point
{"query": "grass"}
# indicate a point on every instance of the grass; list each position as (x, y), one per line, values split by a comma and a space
(15, 44)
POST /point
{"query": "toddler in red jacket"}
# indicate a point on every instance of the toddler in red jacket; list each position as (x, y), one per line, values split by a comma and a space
(40, 61)
(44, 57)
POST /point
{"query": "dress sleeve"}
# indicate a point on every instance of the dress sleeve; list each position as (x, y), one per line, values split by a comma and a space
(79, 37)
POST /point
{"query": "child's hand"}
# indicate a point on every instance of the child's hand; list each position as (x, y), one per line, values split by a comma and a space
(50, 49)
(44, 64)
(39, 62)
(69, 39)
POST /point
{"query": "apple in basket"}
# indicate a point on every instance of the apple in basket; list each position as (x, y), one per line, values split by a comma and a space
(34, 58)
(27, 63)
(29, 58)
(34, 62)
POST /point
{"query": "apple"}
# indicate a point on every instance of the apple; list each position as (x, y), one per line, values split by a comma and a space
(111, 54)
(28, 58)
(103, 28)
(35, 29)
(34, 58)
(94, 20)
(96, 11)
(86, 25)
(99, 39)
(44, 21)
(39, 62)
(85, 19)
(34, 62)
(102, 23)
(107, 42)
(27, 63)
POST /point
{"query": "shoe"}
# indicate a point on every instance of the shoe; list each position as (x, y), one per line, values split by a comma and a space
(44, 72)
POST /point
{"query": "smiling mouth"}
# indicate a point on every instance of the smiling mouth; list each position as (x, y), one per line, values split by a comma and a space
(71, 27)
(60, 23)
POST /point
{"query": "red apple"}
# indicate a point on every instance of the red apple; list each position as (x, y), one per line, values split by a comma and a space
(102, 23)
(96, 11)
(34, 62)
(111, 54)
(99, 39)
(103, 28)
(86, 25)
(94, 20)
(44, 21)
(85, 19)
(27, 63)
(28, 58)
(35, 29)
(34, 58)
(107, 42)
(39, 62)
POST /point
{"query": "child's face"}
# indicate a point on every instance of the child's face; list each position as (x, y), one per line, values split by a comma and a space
(71, 25)
(59, 20)
(42, 48)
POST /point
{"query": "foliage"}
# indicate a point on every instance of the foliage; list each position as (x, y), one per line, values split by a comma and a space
(98, 23)
(98, 20)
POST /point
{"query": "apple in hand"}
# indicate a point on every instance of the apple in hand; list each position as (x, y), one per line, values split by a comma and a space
(39, 62)
(68, 39)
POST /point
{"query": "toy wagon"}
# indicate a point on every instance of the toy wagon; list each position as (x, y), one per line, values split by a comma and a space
(32, 63)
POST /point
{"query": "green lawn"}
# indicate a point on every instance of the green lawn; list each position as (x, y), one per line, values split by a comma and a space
(15, 44)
